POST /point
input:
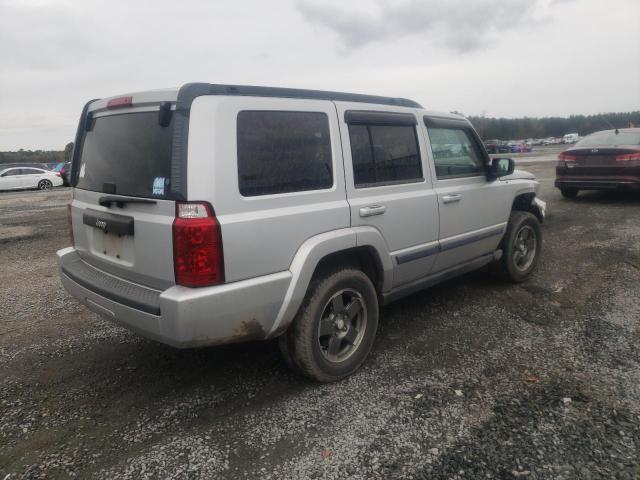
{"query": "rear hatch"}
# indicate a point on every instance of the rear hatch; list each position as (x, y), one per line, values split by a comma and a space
(601, 162)
(123, 209)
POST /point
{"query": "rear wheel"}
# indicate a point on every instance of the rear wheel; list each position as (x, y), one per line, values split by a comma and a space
(521, 248)
(334, 330)
(569, 192)
(45, 185)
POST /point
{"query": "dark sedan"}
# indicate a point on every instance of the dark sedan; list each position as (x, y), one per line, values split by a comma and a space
(606, 160)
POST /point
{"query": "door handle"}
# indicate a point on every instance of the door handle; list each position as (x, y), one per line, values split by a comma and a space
(454, 197)
(372, 210)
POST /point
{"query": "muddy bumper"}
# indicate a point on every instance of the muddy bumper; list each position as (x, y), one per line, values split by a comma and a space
(178, 316)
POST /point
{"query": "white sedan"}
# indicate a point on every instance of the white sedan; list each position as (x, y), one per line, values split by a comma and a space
(16, 178)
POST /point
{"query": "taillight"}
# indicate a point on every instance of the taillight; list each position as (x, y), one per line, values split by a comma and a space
(57, 174)
(563, 158)
(197, 246)
(629, 157)
(70, 226)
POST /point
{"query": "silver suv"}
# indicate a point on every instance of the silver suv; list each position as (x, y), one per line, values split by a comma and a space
(214, 214)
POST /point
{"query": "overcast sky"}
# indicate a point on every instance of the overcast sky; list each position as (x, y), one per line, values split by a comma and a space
(495, 57)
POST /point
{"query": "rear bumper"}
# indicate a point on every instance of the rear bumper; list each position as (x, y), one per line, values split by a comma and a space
(179, 316)
(595, 183)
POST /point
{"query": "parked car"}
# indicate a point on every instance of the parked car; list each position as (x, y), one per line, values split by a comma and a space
(230, 213)
(570, 138)
(64, 169)
(519, 146)
(496, 146)
(28, 177)
(606, 160)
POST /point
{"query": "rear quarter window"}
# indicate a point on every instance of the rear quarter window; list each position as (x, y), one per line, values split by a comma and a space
(283, 152)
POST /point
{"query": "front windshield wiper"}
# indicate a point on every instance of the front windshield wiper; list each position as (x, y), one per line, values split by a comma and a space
(107, 200)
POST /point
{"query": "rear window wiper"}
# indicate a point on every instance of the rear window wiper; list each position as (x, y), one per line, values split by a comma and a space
(107, 200)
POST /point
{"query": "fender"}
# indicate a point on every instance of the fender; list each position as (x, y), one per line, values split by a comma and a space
(527, 200)
(311, 252)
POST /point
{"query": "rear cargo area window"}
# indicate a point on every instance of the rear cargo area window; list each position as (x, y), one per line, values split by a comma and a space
(127, 154)
(610, 139)
(384, 155)
(282, 152)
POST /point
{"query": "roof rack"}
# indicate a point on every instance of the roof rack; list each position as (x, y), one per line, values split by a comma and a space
(189, 91)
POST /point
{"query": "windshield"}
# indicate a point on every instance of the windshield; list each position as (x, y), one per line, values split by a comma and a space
(127, 154)
(610, 139)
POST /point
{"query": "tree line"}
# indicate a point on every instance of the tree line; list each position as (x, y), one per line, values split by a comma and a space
(37, 156)
(530, 127)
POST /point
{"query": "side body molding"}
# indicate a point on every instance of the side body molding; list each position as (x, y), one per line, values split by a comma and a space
(312, 251)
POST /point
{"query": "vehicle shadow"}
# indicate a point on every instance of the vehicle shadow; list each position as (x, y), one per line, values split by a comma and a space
(258, 365)
(137, 372)
(607, 196)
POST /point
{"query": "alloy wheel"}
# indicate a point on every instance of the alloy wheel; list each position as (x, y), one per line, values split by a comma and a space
(524, 248)
(342, 325)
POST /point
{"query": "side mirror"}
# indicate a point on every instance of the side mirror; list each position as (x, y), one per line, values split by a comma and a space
(501, 167)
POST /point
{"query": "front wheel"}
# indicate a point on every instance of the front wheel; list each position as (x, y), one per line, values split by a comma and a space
(334, 330)
(45, 185)
(521, 248)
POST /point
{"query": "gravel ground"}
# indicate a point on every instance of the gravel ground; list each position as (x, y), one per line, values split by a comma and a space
(470, 379)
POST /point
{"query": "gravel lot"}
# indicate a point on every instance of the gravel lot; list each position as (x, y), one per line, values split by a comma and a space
(470, 379)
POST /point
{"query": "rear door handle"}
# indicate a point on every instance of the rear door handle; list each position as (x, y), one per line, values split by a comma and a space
(454, 197)
(372, 210)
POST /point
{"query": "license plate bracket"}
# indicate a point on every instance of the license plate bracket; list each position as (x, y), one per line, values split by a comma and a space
(109, 222)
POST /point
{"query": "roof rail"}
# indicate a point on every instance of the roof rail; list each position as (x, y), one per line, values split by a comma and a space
(189, 91)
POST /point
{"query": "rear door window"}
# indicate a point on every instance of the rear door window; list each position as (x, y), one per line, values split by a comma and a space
(127, 154)
(283, 152)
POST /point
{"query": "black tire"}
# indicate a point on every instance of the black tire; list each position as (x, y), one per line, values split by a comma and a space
(303, 341)
(45, 185)
(569, 192)
(514, 266)
(285, 351)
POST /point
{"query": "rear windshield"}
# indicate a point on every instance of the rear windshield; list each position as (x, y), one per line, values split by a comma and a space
(127, 154)
(610, 139)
